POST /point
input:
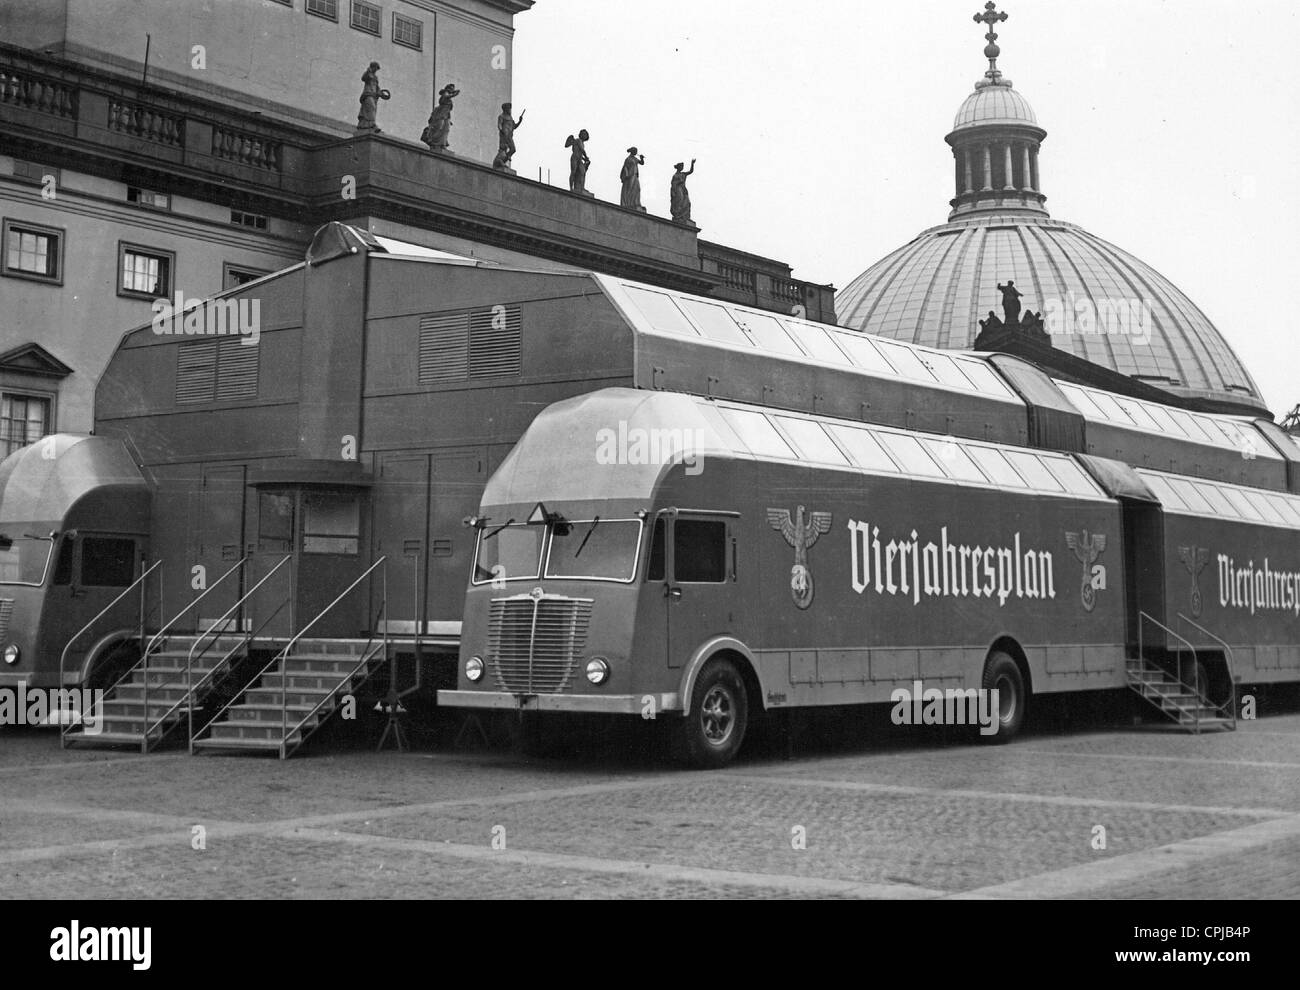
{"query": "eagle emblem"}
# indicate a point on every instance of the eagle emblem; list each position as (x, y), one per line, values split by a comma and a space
(1087, 548)
(1195, 559)
(801, 532)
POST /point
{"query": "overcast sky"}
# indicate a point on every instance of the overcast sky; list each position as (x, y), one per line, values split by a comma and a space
(1173, 130)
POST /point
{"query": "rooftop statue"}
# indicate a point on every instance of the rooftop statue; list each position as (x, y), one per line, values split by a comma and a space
(438, 134)
(578, 162)
(371, 94)
(631, 178)
(680, 196)
(506, 127)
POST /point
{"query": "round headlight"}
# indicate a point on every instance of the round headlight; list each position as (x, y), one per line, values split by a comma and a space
(474, 669)
(597, 670)
(11, 653)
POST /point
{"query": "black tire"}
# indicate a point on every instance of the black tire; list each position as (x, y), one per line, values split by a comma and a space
(710, 735)
(110, 668)
(1002, 673)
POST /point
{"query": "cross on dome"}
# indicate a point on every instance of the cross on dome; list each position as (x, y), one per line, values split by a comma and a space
(992, 16)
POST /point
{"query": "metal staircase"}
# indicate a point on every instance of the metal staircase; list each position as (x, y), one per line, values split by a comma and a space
(306, 683)
(1187, 704)
(153, 698)
(289, 701)
(175, 675)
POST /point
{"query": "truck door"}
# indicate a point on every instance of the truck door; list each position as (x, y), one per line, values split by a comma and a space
(91, 570)
(700, 576)
(221, 539)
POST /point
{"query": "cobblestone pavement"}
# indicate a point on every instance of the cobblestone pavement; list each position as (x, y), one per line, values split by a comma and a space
(876, 814)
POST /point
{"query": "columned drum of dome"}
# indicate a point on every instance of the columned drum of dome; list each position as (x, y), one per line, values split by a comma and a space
(1098, 302)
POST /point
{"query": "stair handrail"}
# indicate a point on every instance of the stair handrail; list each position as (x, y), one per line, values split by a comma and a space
(367, 654)
(189, 660)
(284, 683)
(287, 600)
(166, 627)
(1227, 662)
(63, 657)
(1196, 712)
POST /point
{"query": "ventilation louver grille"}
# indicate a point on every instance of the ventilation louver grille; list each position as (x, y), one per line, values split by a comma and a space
(216, 371)
(483, 343)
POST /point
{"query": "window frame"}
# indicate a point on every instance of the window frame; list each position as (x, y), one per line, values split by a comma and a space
(577, 524)
(42, 230)
(128, 247)
(229, 268)
(542, 548)
(366, 7)
(728, 571)
(418, 46)
(20, 393)
(317, 12)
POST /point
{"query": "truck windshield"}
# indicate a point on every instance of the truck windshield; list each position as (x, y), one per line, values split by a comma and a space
(24, 559)
(601, 549)
(508, 553)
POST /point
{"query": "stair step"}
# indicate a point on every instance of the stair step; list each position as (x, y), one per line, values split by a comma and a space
(108, 738)
(250, 730)
(269, 713)
(274, 697)
(319, 681)
(269, 745)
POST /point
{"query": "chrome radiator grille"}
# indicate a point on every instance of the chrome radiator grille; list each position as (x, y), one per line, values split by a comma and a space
(536, 644)
(6, 613)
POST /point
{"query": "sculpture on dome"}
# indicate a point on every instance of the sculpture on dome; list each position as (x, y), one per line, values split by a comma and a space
(1010, 303)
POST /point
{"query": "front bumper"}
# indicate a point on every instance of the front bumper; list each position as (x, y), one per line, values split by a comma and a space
(612, 704)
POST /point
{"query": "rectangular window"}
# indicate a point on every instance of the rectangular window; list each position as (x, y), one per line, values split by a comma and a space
(700, 551)
(812, 441)
(35, 173)
(865, 448)
(1029, 467)
(24, 419)
(254, 220)
(509, 553)
(331, 522)
(911, 455)
(324, 8)
(408, 31)
(34, 252)
(153, 200)
(758, 434)
(106, 562)
(145, 273)
(596, 549)
(956, 463)
(657, 568)
(274, 522)
(365, 17)
(24, 559)
(233, 276)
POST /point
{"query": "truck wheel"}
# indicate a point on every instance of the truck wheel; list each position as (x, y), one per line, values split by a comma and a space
(112, 666)
(1002, 674)
(714, 727)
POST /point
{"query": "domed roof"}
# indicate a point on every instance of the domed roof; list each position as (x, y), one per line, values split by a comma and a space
(935, 290)
(994, 104)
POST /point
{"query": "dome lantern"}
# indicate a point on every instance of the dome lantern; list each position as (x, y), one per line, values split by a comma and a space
(995, 141)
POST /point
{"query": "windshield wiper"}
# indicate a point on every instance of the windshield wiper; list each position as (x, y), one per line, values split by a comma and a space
(505, 525)
(581, 546)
